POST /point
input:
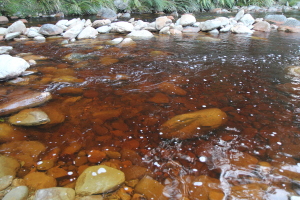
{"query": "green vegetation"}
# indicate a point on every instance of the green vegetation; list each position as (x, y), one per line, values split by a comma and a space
(79, 7)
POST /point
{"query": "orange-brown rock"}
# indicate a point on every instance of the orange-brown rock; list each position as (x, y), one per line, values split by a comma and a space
(151, 188)
(39, 180)
(134, 172)
(171, 89)
(193, 124)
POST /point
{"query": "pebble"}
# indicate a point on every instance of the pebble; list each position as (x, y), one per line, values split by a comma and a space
(55, 193)
(18, 193)
(5, 181)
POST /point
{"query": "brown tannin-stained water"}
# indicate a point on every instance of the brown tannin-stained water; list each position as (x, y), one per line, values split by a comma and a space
(113, 105)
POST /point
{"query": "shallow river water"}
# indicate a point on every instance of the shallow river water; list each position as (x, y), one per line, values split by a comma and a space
(111, 100)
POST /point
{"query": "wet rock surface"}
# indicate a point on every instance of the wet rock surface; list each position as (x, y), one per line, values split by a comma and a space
(193, 124)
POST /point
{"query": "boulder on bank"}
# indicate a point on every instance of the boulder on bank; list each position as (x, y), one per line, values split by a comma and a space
(186, 20)
(190, 125)
(50, 29)
(262, 26)
(88, 32)
(107, 13)
(11, 67)
(121, 27)
(140, 34)
(3, 19)
(17, 26)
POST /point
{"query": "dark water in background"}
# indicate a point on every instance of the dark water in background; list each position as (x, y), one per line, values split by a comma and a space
(239, 74)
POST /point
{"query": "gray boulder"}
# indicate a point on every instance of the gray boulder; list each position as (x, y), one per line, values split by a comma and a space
(210, 25)
(120, 4)
(50, 29)
(107, 13)
(102, 22)
(17, 26)
(278, 19)
(11, 67)
(247, 20)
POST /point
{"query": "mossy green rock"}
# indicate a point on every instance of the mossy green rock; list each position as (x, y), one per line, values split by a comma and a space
(99, 179)
(193, 124)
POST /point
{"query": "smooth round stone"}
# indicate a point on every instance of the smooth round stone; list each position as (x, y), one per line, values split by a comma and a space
(39, 180)
(18, 193)
(29, 117)
(55, 193)
(99, 179)
(5, 181)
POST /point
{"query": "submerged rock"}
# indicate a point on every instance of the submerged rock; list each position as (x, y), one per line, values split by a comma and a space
(8, 133)
(99, 179)
(55, 193)
(29, 117)
(24, 100)
(193, 124)
(39, 180)
(18, 193)
(151, 188)
(8, 166)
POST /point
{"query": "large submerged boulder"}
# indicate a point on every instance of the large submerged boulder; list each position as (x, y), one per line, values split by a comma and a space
(193, 124)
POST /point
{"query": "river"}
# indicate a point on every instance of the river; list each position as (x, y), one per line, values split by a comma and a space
(255, 153)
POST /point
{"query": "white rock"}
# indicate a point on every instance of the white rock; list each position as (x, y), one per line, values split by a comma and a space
(121, 27)
(162, 22)
(140, 34)
(3, 31)
(5, 49)
(187, 20)
(88, 23)
(88, 32)
(104, 29)
(210, 25)
(226, 28)
(239, 15)
(10, 36)
(12, 67)
(165, 30)
(17, 26)
(55, 193)
(18, 193)
(139, 25)
(39, 38)
(72, 21)
(247, 20)
(74, 31)
(115, 41)
(99, 179)
(241, 28)
(62, 24)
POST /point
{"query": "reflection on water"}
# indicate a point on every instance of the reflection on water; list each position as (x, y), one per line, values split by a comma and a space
(112, 102)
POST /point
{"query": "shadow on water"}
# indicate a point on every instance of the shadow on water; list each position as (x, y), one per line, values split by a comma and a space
(112, 101)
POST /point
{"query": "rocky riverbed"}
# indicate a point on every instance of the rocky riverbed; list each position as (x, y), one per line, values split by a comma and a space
(83, 127)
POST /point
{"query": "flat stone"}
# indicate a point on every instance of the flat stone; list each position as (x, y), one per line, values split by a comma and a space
(151, 188)
(55, 193)
(193, 124)
(10, 36)
(29, 117)
(8, 166)
(25, 151)
(99, 179)
(18, 193)
(8, 133)
(39, 180)
(5, 49)
(26, 100)
(140, 34)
